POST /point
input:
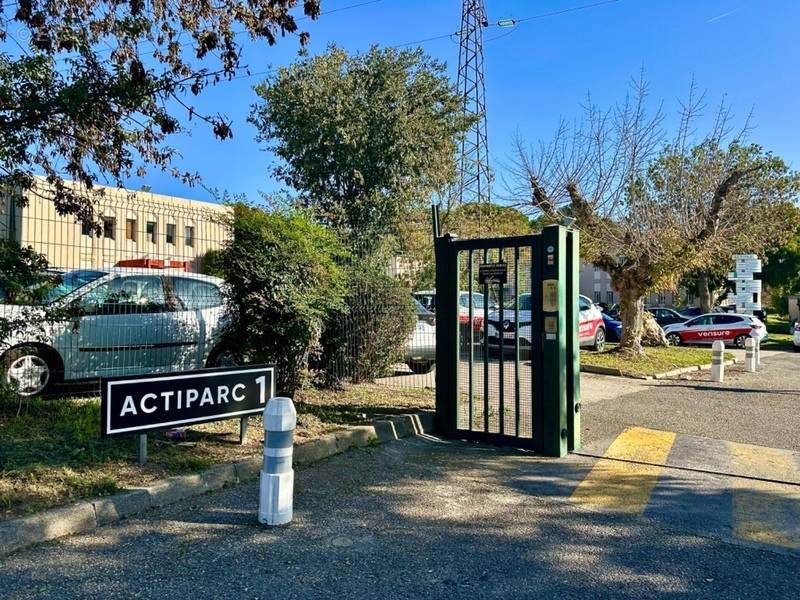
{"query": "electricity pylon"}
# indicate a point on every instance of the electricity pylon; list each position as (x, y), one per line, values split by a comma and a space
(473, 161)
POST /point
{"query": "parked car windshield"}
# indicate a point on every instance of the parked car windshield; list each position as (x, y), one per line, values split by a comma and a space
(421, 310)
(69, 282)
(477, 300)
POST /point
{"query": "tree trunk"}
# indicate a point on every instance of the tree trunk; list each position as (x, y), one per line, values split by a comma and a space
(631, 303)
(704, 292)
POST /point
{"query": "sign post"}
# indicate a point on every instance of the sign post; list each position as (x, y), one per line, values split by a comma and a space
(142, 448)
(242, 430)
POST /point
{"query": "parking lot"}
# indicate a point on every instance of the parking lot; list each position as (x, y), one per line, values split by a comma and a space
(754, 408)
(433, 518)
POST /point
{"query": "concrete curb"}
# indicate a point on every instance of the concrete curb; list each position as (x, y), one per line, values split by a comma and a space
(87, 515)
(619, 373)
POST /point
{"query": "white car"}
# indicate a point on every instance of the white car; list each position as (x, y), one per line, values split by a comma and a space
(591, 330)
(118, 321)
(421, 346)
(706, 329)
(428, 300)
(796, 336)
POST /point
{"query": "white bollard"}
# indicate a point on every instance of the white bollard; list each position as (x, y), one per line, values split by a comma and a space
(758, 352)
(277, 475)
(750, 355)
(718, 361)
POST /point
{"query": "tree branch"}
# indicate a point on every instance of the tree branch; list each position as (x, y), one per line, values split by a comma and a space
(721, 194)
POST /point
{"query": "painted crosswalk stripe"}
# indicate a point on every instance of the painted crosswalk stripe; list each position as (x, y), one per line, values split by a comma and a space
(622, 485)
(764, 511)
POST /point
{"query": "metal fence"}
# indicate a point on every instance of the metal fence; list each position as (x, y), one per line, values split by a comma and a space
(130, 298)
(137, 297)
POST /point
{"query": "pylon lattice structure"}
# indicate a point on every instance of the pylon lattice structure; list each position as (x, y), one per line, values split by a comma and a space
(474, 175)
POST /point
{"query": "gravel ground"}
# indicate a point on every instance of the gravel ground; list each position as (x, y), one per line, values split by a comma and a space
(754, 408)
(411, 519)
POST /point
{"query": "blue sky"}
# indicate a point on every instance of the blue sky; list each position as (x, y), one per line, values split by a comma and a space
(746, 51)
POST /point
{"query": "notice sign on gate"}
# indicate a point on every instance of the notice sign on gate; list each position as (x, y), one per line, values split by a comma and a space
(147, 402)
(489, 273)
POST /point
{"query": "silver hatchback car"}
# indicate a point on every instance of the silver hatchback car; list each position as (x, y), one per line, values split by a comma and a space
(119, 321)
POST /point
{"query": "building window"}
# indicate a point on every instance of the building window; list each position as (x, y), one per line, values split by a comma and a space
(130, 230)
(170, 233)
(86, 229)
(108, 227)
(597, 297)
(152, 232)
(610, 298)
(188, 236)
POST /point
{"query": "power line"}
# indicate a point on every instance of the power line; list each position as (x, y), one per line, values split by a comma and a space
(455, 33)
(554, 13)
(504, 23)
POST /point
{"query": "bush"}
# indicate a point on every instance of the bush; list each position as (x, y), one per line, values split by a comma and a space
(283, 283)
(22, 273)
(23, 280)
(364, 342)
(211, 264)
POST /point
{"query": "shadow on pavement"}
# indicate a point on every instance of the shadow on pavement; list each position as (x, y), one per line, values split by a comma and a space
(410, 520)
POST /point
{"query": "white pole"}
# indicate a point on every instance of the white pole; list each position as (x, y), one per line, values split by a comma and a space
(718, 361)
(758, 352)
(750, 355)
(277, 475)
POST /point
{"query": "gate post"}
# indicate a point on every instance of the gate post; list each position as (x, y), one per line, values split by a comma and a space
(555, 336)
(447, 342)
(573, 346)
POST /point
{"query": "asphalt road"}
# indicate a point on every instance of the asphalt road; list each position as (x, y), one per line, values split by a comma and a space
(756, 408)
(411, 519)
(657, 516)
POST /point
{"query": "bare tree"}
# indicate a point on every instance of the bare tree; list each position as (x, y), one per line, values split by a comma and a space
(650, 207)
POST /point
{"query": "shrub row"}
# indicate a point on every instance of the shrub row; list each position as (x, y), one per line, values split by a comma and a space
(301, 301)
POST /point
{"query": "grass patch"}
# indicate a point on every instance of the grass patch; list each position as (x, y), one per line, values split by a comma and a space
(779, 336)
(51, 451)
(656, 360)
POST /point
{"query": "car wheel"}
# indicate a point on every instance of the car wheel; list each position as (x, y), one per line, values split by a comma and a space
(223, 356)
(740, 341)
(674, 339)
(599, 340)
(31, 370)
(420, 367)
(797, 348)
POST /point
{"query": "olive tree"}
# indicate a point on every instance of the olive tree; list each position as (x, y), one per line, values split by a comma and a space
(650, 206)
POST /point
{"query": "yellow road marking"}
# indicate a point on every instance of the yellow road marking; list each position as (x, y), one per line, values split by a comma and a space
(765, 512)
(626, 486)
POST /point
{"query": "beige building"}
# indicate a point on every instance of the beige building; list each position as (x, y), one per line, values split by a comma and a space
(595, 283)
(135, 225)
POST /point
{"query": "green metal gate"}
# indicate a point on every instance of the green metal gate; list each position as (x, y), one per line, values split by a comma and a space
(507, 350)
